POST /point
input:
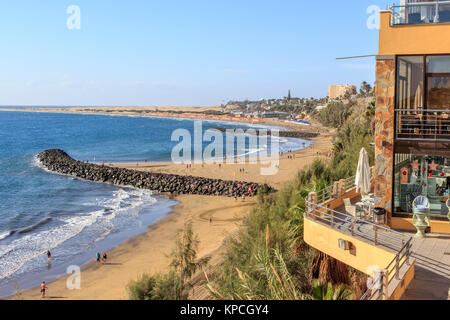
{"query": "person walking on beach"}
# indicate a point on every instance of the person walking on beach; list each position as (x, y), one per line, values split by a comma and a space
(98, 257)
(43, 288)
(104, 258)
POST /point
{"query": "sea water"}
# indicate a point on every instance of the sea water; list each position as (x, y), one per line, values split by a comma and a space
(72, 218)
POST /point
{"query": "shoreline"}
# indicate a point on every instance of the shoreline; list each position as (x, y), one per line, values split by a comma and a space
(146, 252)
(183, 115)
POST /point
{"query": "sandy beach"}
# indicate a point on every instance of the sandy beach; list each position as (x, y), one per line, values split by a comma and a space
(147, 253)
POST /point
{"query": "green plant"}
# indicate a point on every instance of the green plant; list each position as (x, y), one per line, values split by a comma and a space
(158, 287)
(175, 284)
(184, 256)
(328, 292)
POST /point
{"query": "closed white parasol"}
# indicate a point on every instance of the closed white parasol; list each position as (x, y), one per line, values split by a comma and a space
(362, 180)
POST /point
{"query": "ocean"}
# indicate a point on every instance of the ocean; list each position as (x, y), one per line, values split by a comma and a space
(72, 218)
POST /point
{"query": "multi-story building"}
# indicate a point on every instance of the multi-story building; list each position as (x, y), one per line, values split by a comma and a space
(336, 92)
(412, 158)
(413, 113)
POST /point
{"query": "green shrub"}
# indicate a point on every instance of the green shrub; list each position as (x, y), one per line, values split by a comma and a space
(270, 260)
(158, 287)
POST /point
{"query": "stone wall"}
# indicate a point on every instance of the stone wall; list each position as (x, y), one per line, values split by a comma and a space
(58, 161)
(384, 132)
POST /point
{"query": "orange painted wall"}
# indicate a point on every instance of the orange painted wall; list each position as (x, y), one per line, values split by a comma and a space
(437, 226)
(362, 256)
(412, 39)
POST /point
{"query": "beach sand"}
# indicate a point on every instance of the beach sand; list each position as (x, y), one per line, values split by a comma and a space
(147, 253)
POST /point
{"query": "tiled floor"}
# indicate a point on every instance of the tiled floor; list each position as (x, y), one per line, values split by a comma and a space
(432, 278)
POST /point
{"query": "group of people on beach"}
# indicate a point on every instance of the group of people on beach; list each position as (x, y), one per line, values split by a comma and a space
(43, 286)
(101, 258)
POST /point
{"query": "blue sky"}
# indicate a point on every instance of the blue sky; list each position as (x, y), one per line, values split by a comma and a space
(199, 52)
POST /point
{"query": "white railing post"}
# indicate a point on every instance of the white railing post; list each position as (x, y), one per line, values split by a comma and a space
(312, 202)
(407, 252)
(336, 190)
(385, 288)
(376, 235)
(353, 226)
(342, 187)
(397, 266)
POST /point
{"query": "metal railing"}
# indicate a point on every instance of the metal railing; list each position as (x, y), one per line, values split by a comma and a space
(376, 234)
(424, 125)
(328, 193)
(418, 12)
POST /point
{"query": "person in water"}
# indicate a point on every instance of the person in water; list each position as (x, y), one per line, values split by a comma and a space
(49, 255)
(43, 288)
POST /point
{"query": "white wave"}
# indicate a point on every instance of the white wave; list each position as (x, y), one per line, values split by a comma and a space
(126, 202)
(5, 235)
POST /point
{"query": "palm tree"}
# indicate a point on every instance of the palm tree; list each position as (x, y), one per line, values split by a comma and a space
(328, 292)
(328, 269)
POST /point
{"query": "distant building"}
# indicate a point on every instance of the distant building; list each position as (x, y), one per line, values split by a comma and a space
(274, 114)
(335, 92)
(318, 108)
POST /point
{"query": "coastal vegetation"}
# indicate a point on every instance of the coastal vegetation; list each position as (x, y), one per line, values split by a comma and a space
(269, 259)
(173, 285)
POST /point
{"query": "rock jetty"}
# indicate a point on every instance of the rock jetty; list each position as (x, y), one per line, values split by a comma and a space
(59, 161)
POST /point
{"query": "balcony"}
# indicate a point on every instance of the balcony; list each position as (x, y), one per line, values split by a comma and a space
(380, 252)
(425, 12)
(409, 268)
(422, 125)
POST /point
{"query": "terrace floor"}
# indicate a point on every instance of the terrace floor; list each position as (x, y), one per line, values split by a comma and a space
(432, 269)
(432, 266)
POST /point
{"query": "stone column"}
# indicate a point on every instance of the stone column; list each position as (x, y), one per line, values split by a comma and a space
(336, 190)
(312, 199)
(342, 187)
(384, 133)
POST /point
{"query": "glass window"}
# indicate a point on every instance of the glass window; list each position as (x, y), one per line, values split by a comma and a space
(417, 175)
(438, 82)
(410, 75)
(438, 64)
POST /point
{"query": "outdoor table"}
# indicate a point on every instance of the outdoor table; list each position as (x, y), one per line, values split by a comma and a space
(367, 207)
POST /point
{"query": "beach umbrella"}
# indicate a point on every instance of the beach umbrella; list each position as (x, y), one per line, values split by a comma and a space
(362, 180)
